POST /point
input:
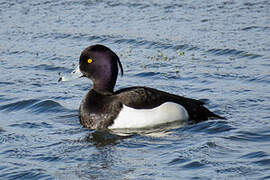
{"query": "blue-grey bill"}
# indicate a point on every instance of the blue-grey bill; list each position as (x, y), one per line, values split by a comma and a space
(76, 73)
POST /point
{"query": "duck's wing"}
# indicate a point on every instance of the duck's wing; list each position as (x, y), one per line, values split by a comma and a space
(147, 98)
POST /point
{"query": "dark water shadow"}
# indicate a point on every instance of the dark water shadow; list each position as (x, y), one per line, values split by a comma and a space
(101, 138)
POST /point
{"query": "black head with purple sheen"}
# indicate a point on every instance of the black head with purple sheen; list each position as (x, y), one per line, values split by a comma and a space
(100, 64)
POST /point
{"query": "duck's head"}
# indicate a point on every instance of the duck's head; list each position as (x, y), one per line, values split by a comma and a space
(100, 64)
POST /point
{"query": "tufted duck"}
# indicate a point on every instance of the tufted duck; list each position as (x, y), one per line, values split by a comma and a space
(133, 107)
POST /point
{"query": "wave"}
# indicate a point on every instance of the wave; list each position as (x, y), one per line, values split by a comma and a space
(210, 127)
(234, 52)
(33, 173)
(35, 106)
(147, 74)
(243, 136)
(50, 68)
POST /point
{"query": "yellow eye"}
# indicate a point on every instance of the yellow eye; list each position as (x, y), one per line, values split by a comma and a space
(89, 61)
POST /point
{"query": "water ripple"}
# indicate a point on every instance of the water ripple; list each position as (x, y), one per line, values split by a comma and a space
(47, 106)
(263, 162)
(193, 165)
(147, 74)
(26, 174)
(250, 136)
(6, 83)
(50, 68)
(178, 160)
(210, 127)
(18, 105)
(34, 105)
(30, 125)
(45, 158)
(235, 52)
(257, 154)
(255, 27)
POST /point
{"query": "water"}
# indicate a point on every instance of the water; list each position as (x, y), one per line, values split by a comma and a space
(215, 51)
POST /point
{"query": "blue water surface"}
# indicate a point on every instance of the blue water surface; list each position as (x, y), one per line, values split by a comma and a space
(217, 51)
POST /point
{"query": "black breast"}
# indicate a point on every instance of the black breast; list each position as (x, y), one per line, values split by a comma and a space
(98, 111)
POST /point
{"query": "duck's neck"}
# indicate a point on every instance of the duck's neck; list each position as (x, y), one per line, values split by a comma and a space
(102, 88)
(104, 85)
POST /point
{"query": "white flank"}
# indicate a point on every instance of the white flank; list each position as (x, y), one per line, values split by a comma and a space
(141, 118)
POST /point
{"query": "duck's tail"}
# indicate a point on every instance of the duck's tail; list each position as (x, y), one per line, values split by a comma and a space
(206, 114)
